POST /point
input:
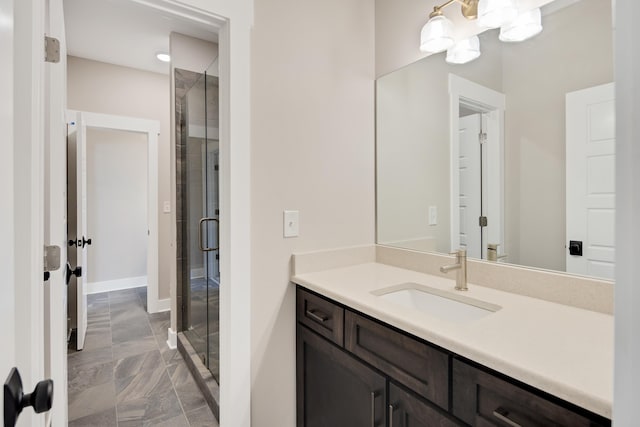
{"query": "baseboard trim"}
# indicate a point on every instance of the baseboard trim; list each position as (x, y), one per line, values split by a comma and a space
(172, 339)
(163, 305)
(116, 285)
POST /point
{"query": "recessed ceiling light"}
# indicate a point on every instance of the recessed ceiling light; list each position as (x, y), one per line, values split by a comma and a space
(164, 57)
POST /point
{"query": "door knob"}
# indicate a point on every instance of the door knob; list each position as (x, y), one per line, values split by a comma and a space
(69, 272)
(15, 400)
(575, 247)
(84, 242)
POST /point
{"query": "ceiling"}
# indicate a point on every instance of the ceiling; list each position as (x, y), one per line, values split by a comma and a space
(124, 32)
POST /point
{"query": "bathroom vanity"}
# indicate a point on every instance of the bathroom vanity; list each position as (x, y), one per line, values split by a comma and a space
(367, 360)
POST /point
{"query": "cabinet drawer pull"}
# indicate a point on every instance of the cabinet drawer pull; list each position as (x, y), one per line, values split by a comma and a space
(373, 409)
(318, 316)
(502, 415)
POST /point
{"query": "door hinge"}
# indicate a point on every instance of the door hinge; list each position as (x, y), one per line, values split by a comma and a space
(51, 49)
(51, 258)
(482, 137)
(482, 221)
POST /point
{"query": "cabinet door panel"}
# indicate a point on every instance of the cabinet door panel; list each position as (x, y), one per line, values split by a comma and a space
(407, 410)
(334, 388)
(412, 363)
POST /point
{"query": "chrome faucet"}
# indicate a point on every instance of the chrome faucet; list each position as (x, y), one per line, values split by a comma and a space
(461, 269)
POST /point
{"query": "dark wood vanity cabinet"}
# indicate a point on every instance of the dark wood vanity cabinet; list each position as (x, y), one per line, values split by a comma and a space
(336, 389)
(482, 399)
(354, 371)
(419, 366)
(407, 410)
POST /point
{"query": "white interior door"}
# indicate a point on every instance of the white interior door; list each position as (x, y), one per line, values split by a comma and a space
(470, 189)
(21, 189)
(81, 227)
(591, 180)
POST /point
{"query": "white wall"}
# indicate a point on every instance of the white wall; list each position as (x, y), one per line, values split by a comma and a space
(190, 53)
(312, 149)
(535, 124)
(116, 205)
(579, 38)
(627, 299)
(412, 154)
(111, 89)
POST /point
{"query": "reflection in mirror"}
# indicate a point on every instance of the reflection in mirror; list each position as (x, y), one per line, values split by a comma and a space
(520, 139)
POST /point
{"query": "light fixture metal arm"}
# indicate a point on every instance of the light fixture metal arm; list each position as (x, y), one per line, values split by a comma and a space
(469, 8)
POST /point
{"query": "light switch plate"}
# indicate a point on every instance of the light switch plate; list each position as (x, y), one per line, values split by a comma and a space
(433, 215)
(166, 207)
(291, 223)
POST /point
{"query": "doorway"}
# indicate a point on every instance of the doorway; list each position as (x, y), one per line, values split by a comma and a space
(78, 237)
(198, 151)
(477, 167)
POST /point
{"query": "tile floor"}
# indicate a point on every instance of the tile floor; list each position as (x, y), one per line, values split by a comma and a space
(126, 375)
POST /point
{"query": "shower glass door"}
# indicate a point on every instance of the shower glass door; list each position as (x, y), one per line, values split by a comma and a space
(201, 210)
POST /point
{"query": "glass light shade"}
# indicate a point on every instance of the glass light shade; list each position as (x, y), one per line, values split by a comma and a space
(464, 51)
(436, 35)
(525, 26)
(496, 13)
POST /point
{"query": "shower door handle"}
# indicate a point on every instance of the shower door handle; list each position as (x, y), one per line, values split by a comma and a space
(202, 221)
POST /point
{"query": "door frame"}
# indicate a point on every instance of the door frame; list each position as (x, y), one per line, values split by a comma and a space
(8, 283)
(55, 221)
(463, 91)
(152, 129)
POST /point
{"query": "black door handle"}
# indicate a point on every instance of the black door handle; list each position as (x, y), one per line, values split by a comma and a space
(15, 400)
(575, 247)
(69, 272)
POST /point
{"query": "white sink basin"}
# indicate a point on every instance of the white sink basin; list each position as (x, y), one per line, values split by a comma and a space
(437, 303)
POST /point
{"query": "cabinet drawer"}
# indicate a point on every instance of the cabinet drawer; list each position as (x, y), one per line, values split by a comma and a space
(418, 366)
(482, 399)
(321, 315)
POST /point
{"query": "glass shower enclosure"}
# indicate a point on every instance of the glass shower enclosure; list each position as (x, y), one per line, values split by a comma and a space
(199, 218)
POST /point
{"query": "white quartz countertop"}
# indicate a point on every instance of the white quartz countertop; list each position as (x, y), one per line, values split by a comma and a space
(563, 350)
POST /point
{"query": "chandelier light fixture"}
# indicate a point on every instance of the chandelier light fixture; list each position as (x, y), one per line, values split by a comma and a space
(437, 35)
